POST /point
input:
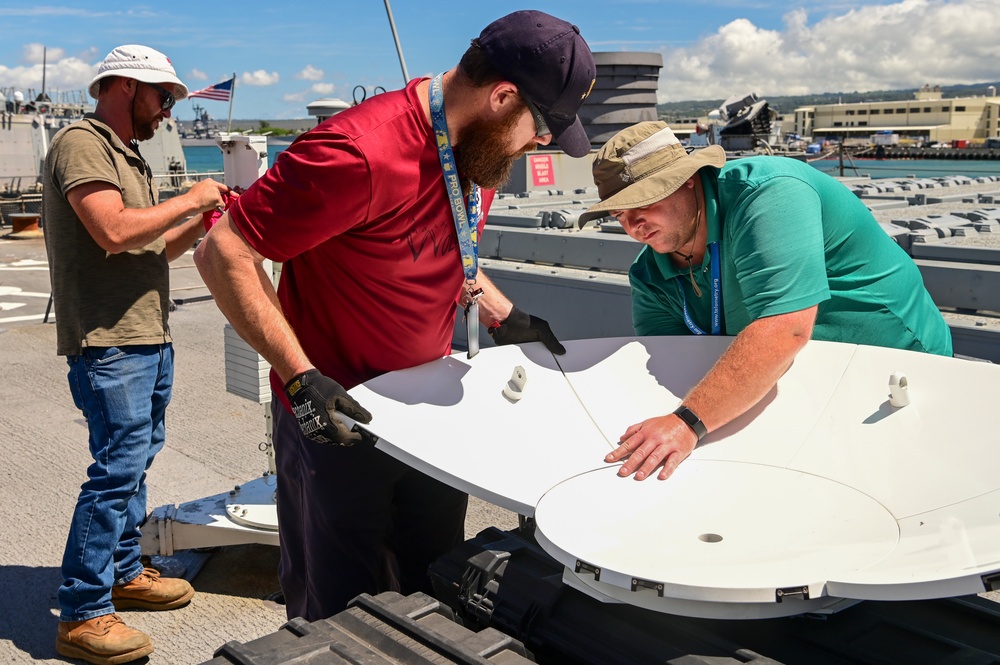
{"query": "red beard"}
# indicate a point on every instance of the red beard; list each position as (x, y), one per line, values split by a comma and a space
(480, 158)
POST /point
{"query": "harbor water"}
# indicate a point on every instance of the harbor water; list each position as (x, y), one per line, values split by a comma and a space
(208, 158)
(201, 159)
(908, 168)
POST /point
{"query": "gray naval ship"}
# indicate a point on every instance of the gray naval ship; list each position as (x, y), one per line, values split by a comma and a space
(27, 129)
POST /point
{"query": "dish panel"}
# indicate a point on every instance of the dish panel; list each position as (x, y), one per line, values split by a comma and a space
(715, 531)
(938, 451)
(623, 381)
(450, 419)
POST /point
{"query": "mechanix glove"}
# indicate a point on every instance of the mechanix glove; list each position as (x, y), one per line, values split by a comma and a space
(521, 327)
(315, 399)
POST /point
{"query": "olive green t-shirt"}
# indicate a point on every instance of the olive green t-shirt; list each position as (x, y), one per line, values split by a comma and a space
(791, 237)
(101, 299)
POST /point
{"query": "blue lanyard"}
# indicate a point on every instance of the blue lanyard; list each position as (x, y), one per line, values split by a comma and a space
(466, 224)
(713, 250)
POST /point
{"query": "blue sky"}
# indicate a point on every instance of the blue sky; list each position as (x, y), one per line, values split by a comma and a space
(286, 55)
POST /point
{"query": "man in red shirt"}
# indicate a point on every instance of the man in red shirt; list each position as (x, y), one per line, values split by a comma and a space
(374, 215)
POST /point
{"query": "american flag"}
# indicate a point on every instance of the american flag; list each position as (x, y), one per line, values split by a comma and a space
(220, 91)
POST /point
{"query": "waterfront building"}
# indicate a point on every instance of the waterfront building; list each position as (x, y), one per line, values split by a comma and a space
(928, 117)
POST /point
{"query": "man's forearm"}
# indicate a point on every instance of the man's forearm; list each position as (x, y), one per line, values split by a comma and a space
(117, 229)
(133, 228)
(750, 367)
(181, 238)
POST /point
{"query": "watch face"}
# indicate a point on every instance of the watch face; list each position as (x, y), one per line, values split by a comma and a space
(692, 420)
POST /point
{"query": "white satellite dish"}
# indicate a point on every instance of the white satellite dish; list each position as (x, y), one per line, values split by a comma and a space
(824, 491)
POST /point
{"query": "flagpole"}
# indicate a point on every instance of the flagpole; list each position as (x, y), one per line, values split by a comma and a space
(232, 93)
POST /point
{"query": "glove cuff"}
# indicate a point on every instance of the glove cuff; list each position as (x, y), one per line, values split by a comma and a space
(299, 381)
(517, 318)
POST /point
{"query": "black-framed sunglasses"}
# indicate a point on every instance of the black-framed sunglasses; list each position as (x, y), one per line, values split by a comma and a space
(541, 129)
(167, 100)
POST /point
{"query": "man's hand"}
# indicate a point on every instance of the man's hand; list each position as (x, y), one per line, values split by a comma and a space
(210, 217)
(315, 399)
(666, 440)
(521, 327)
(207, 194)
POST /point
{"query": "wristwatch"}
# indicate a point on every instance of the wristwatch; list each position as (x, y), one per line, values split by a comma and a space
(692, 421)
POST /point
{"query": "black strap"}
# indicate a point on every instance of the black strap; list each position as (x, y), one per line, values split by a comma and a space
(692, 420)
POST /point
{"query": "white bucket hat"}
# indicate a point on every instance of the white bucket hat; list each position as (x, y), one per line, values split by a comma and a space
(142, 64)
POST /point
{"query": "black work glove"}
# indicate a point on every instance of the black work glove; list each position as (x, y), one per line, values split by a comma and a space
(314, 399)
(521, 327)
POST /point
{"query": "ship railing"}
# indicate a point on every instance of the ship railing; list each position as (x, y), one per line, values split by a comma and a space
(23, 202)
(30, 200)
(177, 182)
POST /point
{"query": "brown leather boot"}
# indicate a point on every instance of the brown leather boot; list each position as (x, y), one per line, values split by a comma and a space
(149, 591)
(103, 640)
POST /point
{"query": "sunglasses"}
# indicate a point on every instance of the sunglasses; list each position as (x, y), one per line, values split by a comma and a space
(167, 100)
(541, 129)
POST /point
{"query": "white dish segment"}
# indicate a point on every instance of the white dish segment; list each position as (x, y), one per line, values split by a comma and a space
(715, 531)
(623, 381)
(646, 599)
(450, 419)
(824, 491)
(939, 450)
(933, 464)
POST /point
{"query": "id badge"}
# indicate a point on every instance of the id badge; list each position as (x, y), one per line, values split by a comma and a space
(472, 327)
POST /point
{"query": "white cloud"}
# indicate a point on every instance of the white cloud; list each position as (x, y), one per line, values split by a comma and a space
(69, 75)
(310, 73)
(259, 78)
(90, 54)
(900, 45)
(294, 97)
(322, 88)
(35, 54)
(60, 12)
(197, 75)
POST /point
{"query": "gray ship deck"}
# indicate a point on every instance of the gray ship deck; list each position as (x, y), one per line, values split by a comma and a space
(212, 446)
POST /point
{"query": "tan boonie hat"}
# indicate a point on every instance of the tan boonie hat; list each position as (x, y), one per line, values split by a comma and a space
(643, 164)
(141, 63)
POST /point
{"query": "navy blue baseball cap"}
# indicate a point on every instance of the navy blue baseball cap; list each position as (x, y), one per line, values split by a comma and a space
(552, 66)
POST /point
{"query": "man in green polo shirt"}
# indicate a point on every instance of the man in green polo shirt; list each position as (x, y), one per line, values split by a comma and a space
(767, 249)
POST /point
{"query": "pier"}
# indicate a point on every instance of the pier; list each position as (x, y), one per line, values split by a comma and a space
(912, 152)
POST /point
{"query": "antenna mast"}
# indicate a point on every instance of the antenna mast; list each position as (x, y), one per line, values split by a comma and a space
(399, 49)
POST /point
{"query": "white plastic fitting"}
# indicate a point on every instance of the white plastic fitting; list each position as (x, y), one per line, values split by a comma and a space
(899, 389)
(512, 391)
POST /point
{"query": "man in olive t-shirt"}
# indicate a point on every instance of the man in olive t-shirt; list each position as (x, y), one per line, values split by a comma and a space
(109, 243)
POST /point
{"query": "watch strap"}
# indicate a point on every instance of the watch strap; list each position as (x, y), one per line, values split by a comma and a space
(692, 420)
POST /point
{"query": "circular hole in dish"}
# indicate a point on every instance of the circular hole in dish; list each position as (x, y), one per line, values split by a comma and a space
(710, 538)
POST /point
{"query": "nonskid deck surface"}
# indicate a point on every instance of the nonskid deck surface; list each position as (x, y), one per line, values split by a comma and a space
(823, 491)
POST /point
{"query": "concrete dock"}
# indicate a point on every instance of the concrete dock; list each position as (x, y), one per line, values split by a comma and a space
(212, 445)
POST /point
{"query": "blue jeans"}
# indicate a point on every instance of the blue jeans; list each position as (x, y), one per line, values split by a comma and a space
(123, 392)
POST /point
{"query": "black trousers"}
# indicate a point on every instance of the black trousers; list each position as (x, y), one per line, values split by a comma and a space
(355, 520)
